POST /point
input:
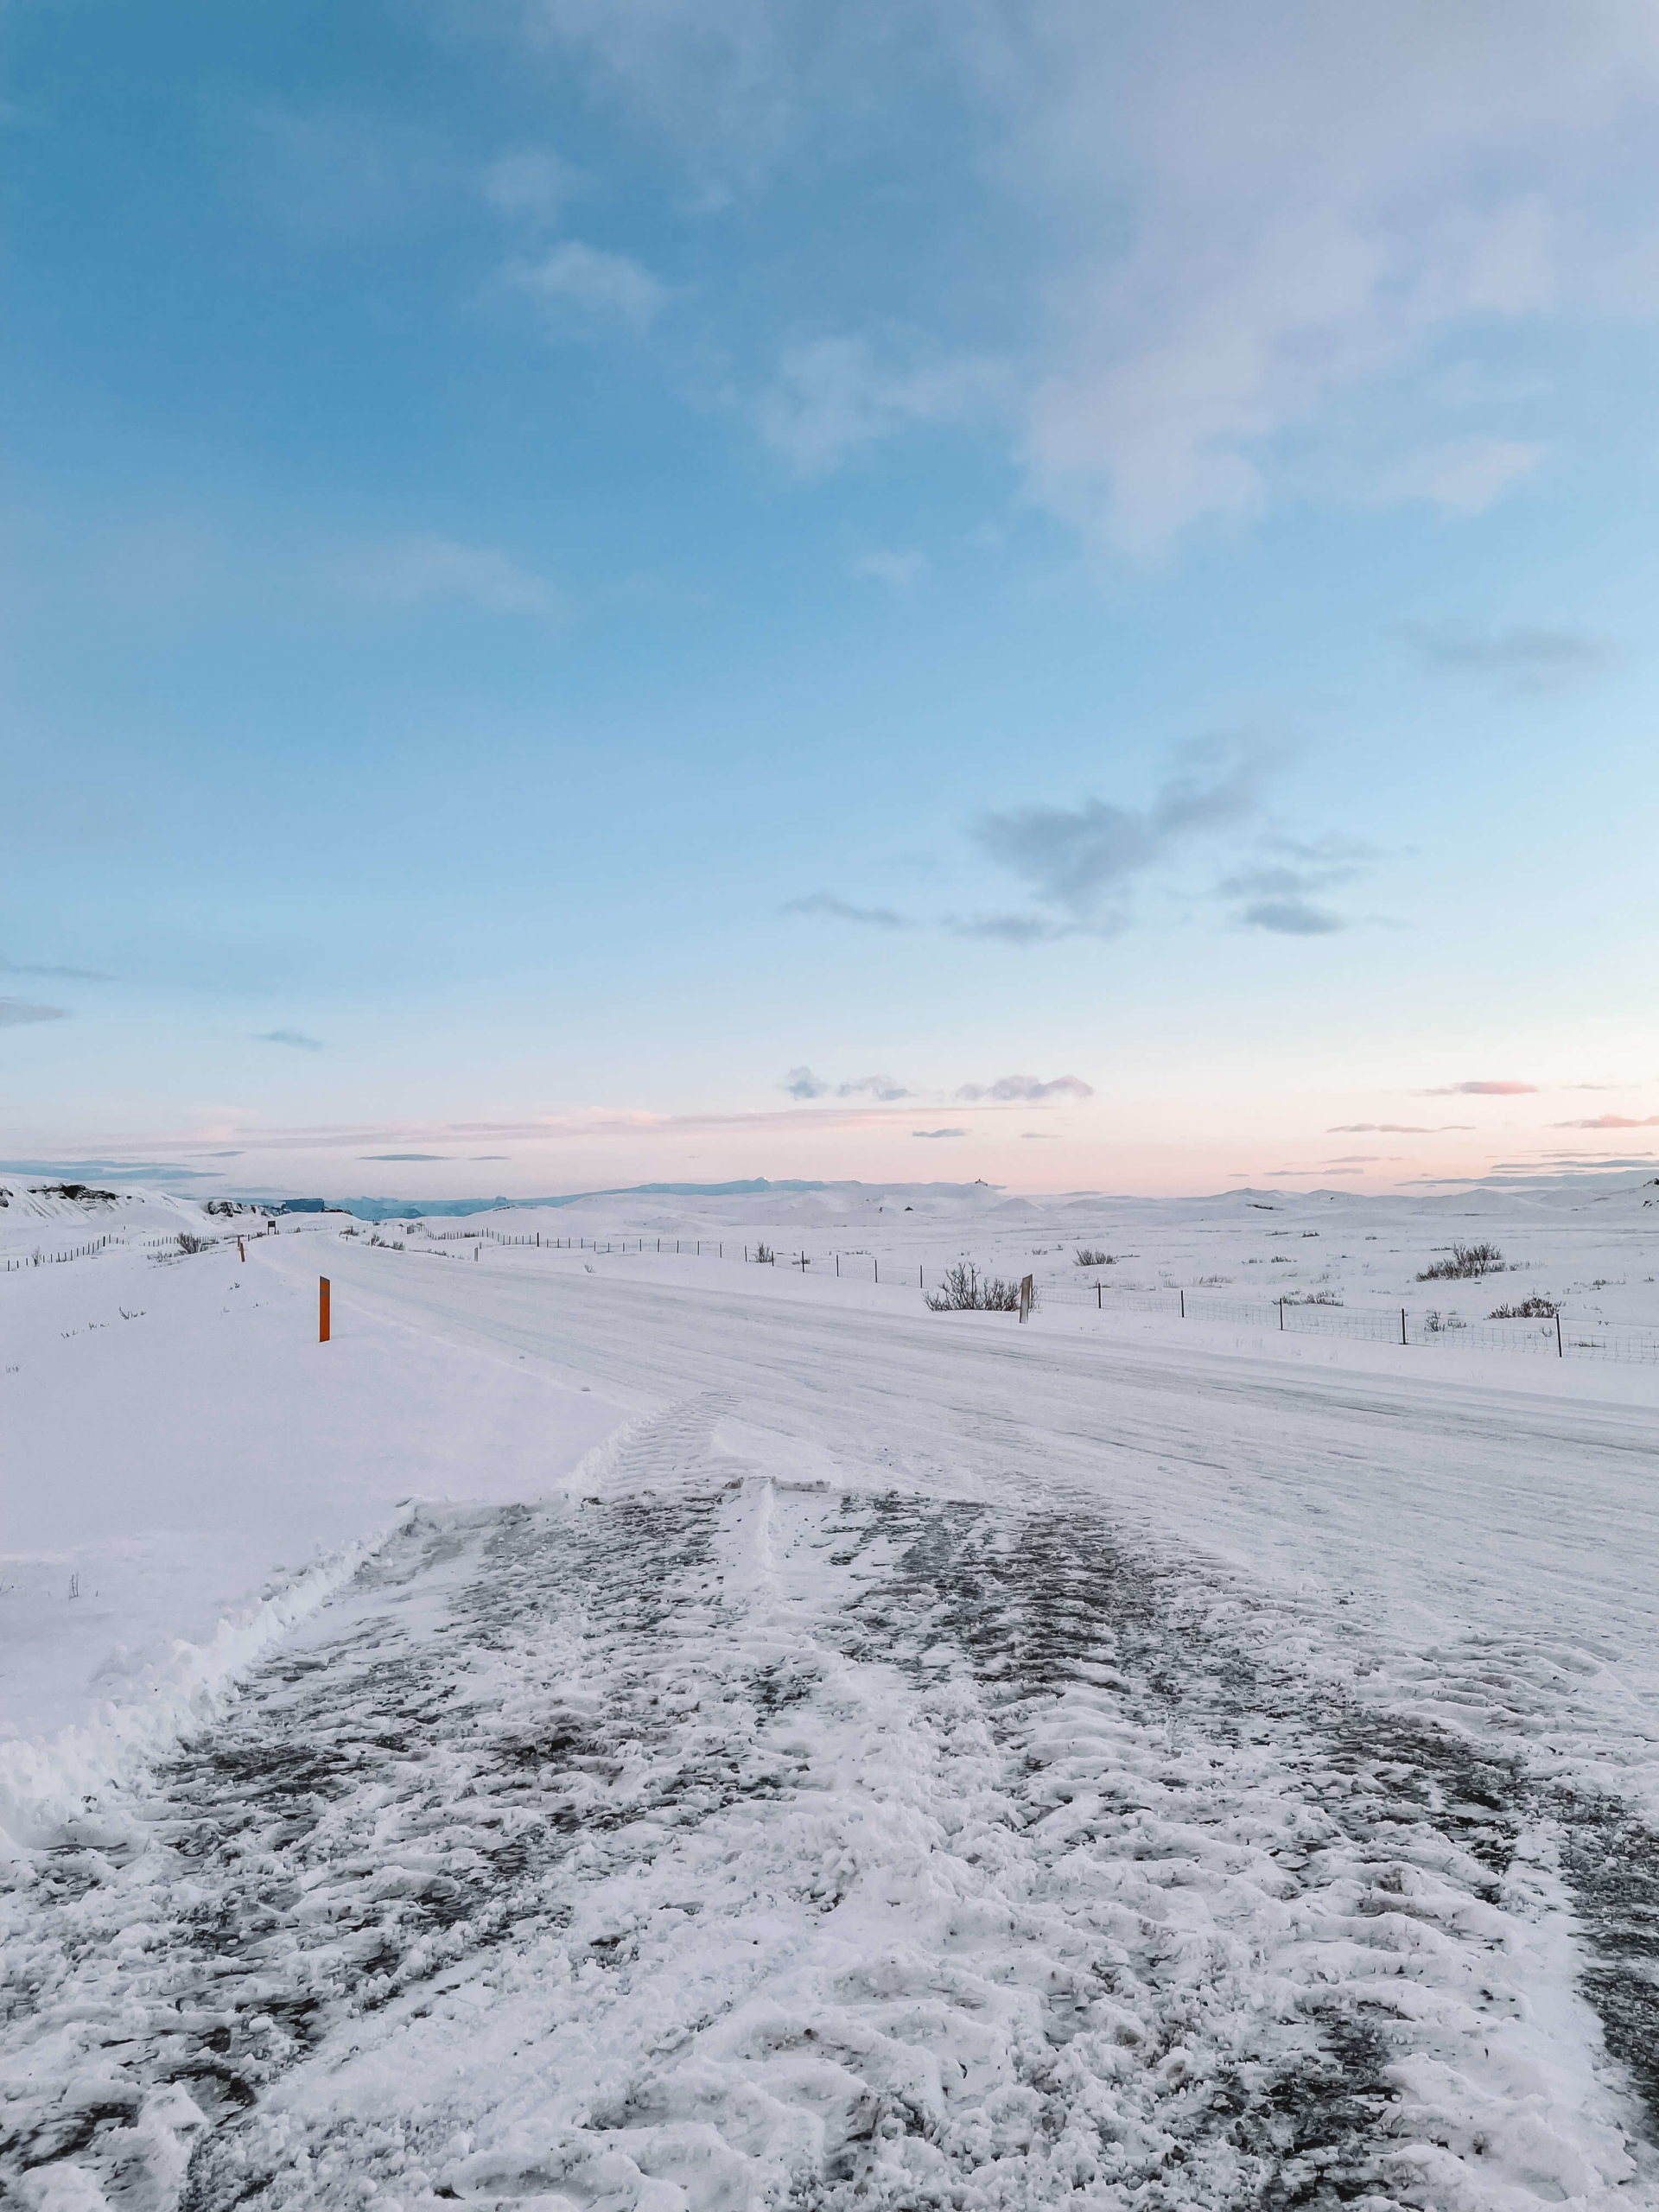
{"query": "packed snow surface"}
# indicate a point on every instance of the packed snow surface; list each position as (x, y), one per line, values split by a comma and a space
(623, 1730)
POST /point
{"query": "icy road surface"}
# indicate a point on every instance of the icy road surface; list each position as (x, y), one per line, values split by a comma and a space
(920, 1764)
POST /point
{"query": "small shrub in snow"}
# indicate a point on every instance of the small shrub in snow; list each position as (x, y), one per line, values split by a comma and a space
(964, 1290)
(1537, 1307)
(188, 1242)
(764, 1255)
(1088, 1257)
(1467, 1262)
(1311, 1298)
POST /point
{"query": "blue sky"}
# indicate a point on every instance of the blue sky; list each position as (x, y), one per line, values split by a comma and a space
(566, 563)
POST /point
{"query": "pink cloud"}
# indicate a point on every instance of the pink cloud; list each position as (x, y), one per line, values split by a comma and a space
(1395, 1129)
(1480, 1090)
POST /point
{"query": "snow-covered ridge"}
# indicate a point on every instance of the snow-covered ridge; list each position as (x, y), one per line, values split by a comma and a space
(30, 1205)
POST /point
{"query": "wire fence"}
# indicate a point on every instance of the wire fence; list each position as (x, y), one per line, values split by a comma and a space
(1555, 1335)
(39, 1258)
(1560, 1335)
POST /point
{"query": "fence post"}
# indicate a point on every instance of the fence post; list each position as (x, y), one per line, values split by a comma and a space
(1281, 1313)
(323, 1309)
(1182, 1295)
(876, 1264)
(1025, 1298)
(837, 1267)
(1097, 1298)
(1560, 1351)
(920, 1284)
(1402, 1325)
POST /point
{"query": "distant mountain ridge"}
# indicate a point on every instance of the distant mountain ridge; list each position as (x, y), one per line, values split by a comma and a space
(415, 1209)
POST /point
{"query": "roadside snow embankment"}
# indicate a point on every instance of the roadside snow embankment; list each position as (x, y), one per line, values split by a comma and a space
(187, 1473)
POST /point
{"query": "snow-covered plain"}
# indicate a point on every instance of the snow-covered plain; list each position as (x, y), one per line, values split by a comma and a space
(691, 1733)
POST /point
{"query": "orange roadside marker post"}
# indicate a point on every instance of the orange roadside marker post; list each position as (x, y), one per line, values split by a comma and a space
(241, 1250)
(323, 1309)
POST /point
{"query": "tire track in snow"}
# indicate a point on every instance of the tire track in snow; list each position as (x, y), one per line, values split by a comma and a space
(727, 1843)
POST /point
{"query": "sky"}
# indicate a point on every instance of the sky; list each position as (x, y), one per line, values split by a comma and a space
(615, 590)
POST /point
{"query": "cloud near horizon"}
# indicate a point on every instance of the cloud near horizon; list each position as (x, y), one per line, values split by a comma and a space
(1397, 1129)
(939, 1133)
(1612, 1122)
(1481, 1090)
(801, 1082)
(297, 1041)
(1028, 1089)
(18, 1013)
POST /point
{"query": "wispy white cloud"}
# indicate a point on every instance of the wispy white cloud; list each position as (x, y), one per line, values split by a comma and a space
(833, 396)
(1275, 249)
(19, 1013)
(1279, 220)
(1464, 476)
(594, 287)
(426, 568)
(297, 1041)
(532, 185)
(939, 1133)
(897, 567)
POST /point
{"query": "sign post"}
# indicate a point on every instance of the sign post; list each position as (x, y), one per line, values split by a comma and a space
(323, 1309)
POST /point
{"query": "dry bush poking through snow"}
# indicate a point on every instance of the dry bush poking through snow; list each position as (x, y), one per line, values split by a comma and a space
(1468, 1261)
(964, 1290)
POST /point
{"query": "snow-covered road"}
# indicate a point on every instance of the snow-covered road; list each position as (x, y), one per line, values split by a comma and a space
(921, 1762)
(1500, 1551)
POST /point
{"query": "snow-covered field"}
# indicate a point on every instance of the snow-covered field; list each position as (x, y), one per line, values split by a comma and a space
(617, 1730)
